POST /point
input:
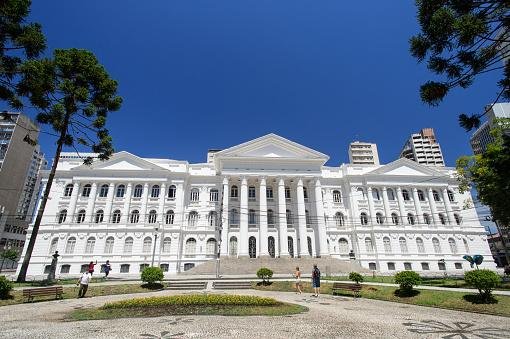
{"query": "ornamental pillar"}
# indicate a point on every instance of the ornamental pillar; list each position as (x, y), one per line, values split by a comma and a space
(282, 219)
(401, 208)
(224, 218)
(386, 204)
(263, 218)
(303, 243)
(243, 220)
(321, 225)
(417, 205)
(433, 208)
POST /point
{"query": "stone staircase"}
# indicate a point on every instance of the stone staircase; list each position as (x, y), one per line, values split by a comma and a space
(186, 285)
(231, 285)
(249, 266)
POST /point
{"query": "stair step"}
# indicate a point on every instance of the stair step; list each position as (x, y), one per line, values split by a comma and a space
(233, 285)
(186, 285)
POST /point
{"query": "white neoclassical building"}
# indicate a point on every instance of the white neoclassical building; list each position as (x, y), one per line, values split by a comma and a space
(266, 197)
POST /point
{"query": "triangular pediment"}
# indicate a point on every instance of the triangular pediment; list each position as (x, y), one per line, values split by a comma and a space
(271, 146)
(122, 161)
(405, 167)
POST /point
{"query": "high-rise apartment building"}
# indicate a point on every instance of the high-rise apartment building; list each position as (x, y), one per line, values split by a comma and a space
(20, 166)
(423, 148)
(363, 153)
(482, 137)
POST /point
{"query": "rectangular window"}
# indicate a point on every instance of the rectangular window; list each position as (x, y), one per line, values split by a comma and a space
(425, 266)
(124, 268)
(391, 266)
(408, 266)
(251, 193)
(458, 265)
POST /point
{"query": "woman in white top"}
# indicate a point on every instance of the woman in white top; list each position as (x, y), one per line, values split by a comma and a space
(297, 275)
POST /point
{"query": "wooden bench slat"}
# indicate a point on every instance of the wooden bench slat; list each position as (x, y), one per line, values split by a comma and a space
(30, 293)
(356, 288)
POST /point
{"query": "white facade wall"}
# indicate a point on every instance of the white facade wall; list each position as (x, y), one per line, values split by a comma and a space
(282, 166)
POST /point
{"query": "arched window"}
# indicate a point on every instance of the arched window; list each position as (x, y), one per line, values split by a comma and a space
(234, 217)
(337, 197)
(116, 217)
(403, 244)
(213, 195)
(426, 218)
(99, 217)
(147, 245)
(363, 218)
(270, 217)
(451, 196)
(210, 246)
(71, 242)
(269, 192)
(387, 245)
(234, 192)
(379, 218)
(191, 246)
(89, 247)
(437, 245)
(53, 245)
(453, 245)
(86, 190)
(169, 220)
(307, 218)
(405, 195)
(68, 190)
(195, 195)
(421, 196)
(466, 246)
(391, 194)
(232, 246)
(290, 220)
(171, 192)
(251, 217)
(458, 219)
(128, 245)
(410, 218)
(211, 218)
(394, 218)
(138, 191)
(343, 246)
(375, 194)
(153, 216)
(420, 245)
(121, 190)
(108, 246)
(368, 245)
(135, 217)
(442, 218)
(192, 219)
(62, 215)
(361, 193)
(167, 242)
(436, 196)
(155, 191)
(305, 193)
(80, 217)
(103, 192)
(339, 219)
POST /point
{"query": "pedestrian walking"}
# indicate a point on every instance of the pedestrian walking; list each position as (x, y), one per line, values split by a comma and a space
(84, 284)
(106, 268)
(91, 267)
(316, 280)
(297, 275)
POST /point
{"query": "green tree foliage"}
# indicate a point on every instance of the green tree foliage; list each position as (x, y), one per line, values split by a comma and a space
(265, 274)
(10, 254)
(152, 274)
(19, 40)
(485, 281)
(459, 40)
(5, 287)
(74, 94)
(356, 277)
(406, 280)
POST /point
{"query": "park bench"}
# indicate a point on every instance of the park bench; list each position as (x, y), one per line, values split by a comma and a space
(30, 293)
(341, 287)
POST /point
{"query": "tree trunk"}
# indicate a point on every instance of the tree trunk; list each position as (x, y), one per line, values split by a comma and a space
(26, 260)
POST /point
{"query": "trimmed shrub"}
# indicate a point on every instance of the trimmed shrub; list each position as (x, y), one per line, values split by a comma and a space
(406, 280)
(484, 281)
(265, 274)
(5, 287)
(356, 277)
(152, 274)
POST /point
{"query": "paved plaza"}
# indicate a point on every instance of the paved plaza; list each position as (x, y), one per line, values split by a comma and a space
(328, 317)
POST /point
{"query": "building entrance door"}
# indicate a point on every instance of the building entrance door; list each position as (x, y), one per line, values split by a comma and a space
(290, 244)
(252, 247)
(270, 245)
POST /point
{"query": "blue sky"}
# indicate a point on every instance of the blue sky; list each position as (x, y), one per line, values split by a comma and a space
(200, 74)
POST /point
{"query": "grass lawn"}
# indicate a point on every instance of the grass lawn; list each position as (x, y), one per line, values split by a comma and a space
(442, 299)
(188, 305)
(72, 292)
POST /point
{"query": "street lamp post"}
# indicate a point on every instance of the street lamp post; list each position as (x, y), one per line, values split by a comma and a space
(156, 229)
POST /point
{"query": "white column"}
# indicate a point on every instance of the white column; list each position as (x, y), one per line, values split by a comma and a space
(401, 208)
(263, 218)
(448, 206)
(127, 204)
(109, 199)
(371, 208)
(72, 204)
(90, 203)
(179, 204)
(417, 205)
(433, 208)
(161, 207)
(224, 218)
(387, 211)
(321, 225)
(243, 220)
(303, 243)
(143, 209)
(282, 219)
